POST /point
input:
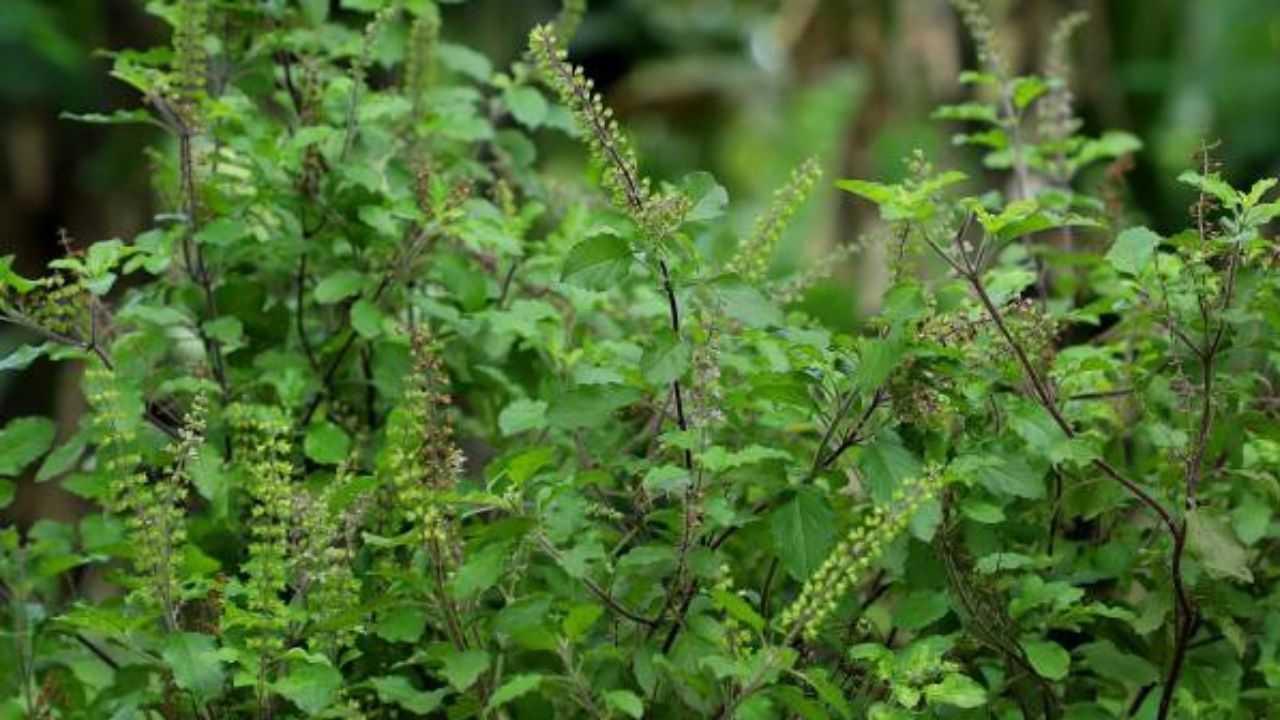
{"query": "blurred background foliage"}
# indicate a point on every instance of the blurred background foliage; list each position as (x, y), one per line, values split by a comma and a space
(743, 88)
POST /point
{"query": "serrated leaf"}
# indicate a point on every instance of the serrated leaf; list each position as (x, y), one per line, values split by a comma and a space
(1216, 548)
(666, 360)
(481, 571)
(462, 669)
(1133, 250)
(196, 664)
(522, 415)
(803, 532)
(312, 687)
(709, 197)
(885, 464)
(600, 261)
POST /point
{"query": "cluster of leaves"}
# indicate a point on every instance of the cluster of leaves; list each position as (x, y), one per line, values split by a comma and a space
(385, 424)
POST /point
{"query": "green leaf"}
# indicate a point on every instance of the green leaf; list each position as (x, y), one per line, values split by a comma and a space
(367, 319)
(877, 193)
(885, 464)
(222, 232)
(514, 688)
(625, 702)
(22, 358)
(312, 687)
(1250, 520)
(804, 531)
(402, 624)
(228, 331)
(1003, 474)
(464, 60)
(527, 105)
(1216, 548)
(959, 690)
(666, 360)
(327, 443)
(1133, 250)
(62, 459)
(521, 415)
(877, 361)
(316, 11)
(462, 669)
(921, 609)
(598, 262)
(338, 286)
(738, 608)
(8, 491)
(24, 440)
(580, 619)
(1049, 659)
(747, 304)
(709, 197)
(481, 572)
(196, 664)
(1110, 663)
(1027, 89)
(397, 690)
(1212, 184)
(10, 279)
(589, 405)
(665, 478)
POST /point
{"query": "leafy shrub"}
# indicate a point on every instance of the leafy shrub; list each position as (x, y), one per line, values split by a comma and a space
(384, 423)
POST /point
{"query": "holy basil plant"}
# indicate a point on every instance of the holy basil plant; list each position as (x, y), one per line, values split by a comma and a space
(382, 420)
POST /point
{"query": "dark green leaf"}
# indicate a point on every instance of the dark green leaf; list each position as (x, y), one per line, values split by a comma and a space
(804, 532)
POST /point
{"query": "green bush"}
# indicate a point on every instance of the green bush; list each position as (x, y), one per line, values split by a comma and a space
(383, 422)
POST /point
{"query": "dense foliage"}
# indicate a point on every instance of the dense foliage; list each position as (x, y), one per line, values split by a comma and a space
(385, 423)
